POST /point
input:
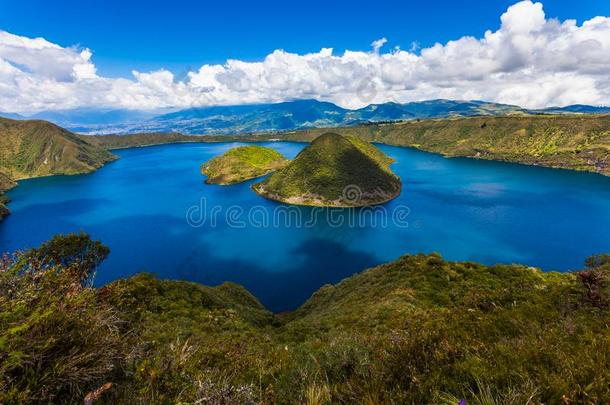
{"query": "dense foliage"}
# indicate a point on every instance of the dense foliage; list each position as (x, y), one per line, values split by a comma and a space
(418, 330)
(57, 340)
(241, 164)
(330, 166)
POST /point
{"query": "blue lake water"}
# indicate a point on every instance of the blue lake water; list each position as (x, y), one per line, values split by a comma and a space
(153, 210)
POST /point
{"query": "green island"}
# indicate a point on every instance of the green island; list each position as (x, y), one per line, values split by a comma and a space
(242, 163)
(334, 171)
(576, 142)
(417, 330)
(38, 148)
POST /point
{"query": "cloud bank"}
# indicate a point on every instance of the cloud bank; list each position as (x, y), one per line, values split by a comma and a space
(530, 61)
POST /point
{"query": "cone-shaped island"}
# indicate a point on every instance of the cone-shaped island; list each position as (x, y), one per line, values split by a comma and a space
(241, 164)
(334, 171)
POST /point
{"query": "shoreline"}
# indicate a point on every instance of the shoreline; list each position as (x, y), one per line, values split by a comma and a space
(249, 140)
(278, 199)
(413, 147)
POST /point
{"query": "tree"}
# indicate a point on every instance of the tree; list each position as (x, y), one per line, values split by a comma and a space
(58, 340)
(596, 261)
(76, 254)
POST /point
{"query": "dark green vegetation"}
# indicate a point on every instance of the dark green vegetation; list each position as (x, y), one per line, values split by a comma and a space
(577, 142)
(418, 330)
(241, 164)
(5, 184)
(334, 171)
(38, 148)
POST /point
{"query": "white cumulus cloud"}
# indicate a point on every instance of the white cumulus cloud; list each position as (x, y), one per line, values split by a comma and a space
(531, 60)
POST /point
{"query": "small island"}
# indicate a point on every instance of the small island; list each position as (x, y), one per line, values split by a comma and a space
(334, 171)
(241, 164)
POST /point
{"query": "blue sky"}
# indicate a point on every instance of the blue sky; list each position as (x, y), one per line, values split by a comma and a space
(149, 35)
(154, 55)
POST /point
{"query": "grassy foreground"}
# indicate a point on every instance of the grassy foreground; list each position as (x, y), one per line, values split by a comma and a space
(417, 330)
(242, 163)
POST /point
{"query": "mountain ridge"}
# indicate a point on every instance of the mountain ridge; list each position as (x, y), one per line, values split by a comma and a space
(287, 115)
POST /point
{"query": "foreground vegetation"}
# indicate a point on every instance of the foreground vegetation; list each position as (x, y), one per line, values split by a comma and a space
(417, 330)
(334, 171)
(242, 163)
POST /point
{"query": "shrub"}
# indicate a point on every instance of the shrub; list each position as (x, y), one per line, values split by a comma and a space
(57, 342)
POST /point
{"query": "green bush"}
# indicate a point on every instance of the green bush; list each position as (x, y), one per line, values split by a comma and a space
(417, 330)
(57, 341)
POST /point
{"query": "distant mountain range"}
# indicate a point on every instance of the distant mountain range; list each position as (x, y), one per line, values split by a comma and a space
(93, 117)
(12, 116)
(278, 117)
(576, 108)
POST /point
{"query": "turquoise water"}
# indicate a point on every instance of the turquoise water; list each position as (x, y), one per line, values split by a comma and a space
(464, 209)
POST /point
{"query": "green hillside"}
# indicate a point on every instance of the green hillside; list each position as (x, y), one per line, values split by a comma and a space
(110, 142)
(576, 142)
(241, 164)
(334, 171)
(573, 142)
(418, 330)
(39, 148)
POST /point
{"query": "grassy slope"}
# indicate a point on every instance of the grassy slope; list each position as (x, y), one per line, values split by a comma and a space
(578, 142)
(39, 148)
(570, 142)
(241, 164)
(417, 330)
(321, 172)
(409, 331)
